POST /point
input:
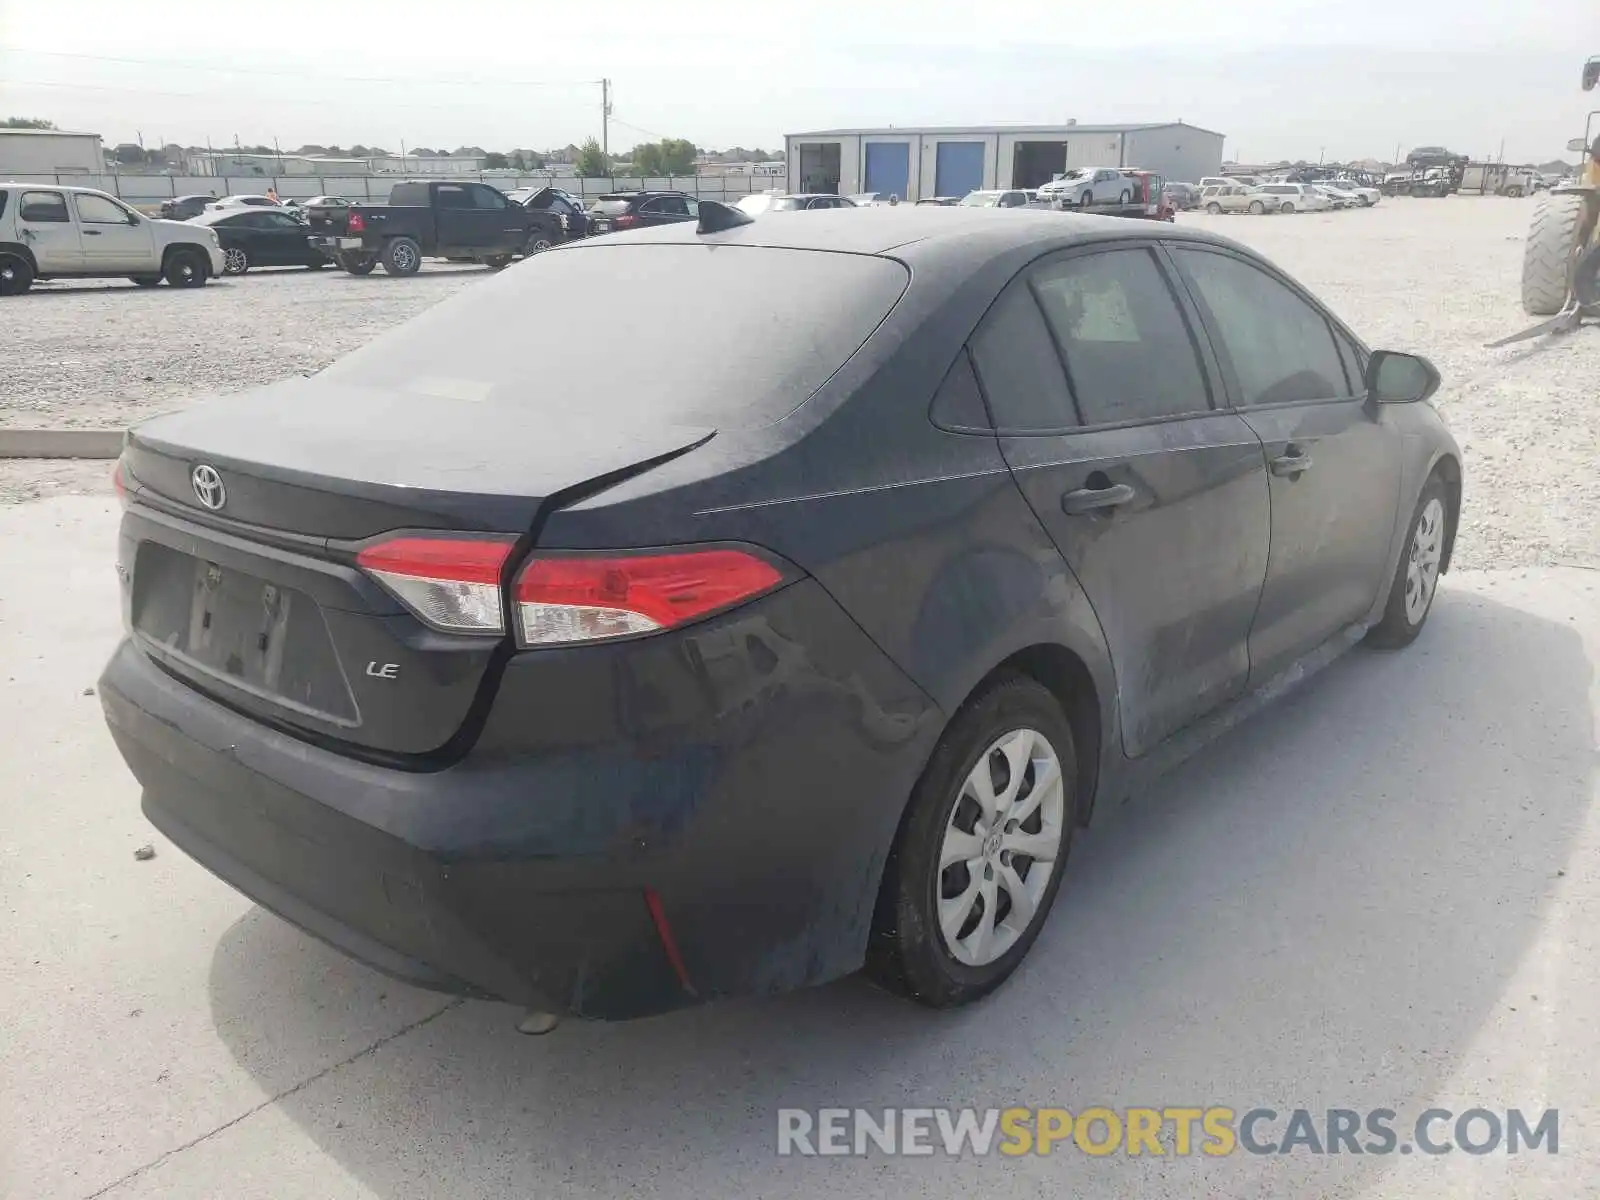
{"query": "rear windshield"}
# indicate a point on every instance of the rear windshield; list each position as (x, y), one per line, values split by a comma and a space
(611, 207)
(727, 337)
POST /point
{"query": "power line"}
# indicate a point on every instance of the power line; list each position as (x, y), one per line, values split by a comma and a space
(195, 66)
(638, 128)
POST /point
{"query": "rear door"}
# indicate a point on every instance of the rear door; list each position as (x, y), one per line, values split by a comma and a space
(1334, 472)
(46, 226)
(664, 210)
(115, 238)
(1101, 388)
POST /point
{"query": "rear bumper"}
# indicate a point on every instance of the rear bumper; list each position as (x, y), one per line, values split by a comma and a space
(337, 245)
(739, 786)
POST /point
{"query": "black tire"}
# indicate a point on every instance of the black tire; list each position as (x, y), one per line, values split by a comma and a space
(1257, 207)
(538, 243)
(1125, 197)
(1550, 251)
(235, 260)
(16, 275)
(402, 256)
(145, 280)
(497, 262)
(358, 264)
(1514, 192)
(1286, 208)
(1401, 623)
(318, 265)
(908, 952)
(1214, 209)
(1086, 199)
(187, 268)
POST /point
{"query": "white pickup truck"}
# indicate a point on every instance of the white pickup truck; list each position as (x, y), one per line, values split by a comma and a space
(53, 232)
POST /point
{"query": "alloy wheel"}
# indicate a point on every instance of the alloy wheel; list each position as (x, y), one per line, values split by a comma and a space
(1422, 568)
(235, 261)
(1000, 842)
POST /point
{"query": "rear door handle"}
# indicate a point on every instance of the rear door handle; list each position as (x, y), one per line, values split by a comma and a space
(91, 233)
(1291, 464)
(1087, 500)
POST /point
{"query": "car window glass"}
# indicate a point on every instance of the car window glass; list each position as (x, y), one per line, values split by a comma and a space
(958, 405)
(1280, 346)
(1128, 350)
(487, 197)
(97, 210)
(1018, 366)
(43, 207)
(452, 196)
(1355, 364)
(281, 221)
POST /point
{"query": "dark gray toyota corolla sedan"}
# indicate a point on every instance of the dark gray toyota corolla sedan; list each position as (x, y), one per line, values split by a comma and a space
(791, 628)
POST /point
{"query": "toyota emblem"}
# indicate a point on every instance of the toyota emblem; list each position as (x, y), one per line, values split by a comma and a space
(208, 487)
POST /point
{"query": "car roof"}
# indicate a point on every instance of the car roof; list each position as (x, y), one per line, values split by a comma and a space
(213, 216)
(978, 232)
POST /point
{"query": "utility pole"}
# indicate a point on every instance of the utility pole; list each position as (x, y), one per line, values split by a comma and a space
(605, 122)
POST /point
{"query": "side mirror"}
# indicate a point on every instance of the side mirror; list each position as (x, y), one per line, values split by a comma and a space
(1396, 378)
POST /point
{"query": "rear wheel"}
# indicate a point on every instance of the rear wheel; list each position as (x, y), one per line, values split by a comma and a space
(358, 264)
(981, 851)
(235, 261)
(1215, 209)
(497, 262)
(1286, 208)
(402, 256)
(187, 268)
(1551, 249)
(1257, 207)
(537, 244)
(16, 275)
(1416, 576)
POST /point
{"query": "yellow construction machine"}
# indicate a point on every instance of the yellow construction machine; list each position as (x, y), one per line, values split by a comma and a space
(1561, 260)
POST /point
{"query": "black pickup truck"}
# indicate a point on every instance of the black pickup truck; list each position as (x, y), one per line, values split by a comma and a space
(470, 222)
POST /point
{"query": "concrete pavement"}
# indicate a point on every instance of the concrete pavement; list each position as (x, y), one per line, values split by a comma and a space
(1382, 892)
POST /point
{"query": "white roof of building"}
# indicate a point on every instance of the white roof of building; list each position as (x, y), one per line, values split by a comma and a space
(47, 133)
(891, 131)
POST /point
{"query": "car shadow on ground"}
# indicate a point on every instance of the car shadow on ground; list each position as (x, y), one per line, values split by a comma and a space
(1323, 909)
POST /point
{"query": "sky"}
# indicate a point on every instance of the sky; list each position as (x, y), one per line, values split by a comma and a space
(1281, 78)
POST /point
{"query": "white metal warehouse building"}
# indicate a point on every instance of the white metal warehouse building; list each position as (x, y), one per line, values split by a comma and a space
(49, 151)
(918, 163)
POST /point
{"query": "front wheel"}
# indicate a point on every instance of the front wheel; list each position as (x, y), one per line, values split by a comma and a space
(187, 268)
(16, 275)
(1257, 207)
(497, 262)
(1287, 208)
(1550, 252)
(981, 850)
(1416, 576)
(358, 264)
(1124, 197)
(235, 261)
(1086, 199)
(537, 244)
(402, 256)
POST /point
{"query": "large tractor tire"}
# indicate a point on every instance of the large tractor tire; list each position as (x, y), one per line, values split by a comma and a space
(1548, 254)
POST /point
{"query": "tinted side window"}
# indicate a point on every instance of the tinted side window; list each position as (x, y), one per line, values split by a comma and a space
(1281, 347)
(1355, 364)
(4, 196)
(1128, 350)
(44, 207)
(1019, 368)
(97, 210)
(958, 405)
(487, 197)
(452, 196)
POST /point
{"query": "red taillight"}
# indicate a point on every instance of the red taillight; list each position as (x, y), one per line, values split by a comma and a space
(357, 223)
(119, 483)
(625, 221)
(584, 598)
(451, 583)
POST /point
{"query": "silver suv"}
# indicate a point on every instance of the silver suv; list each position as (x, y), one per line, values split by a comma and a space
(52, 232)
(1235, 198)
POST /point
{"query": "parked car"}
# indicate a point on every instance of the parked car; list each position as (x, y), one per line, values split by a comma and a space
(759, 203)
(181, 208)
(1338, 197)
(254, 237)
(873, 199)
(1218, 198)
(1368, 196)
(1297, 197)
(1001, 198)
(433, 219)
(1082, 186)
(1225, 180)
(571, 220)
(1184, 196)
(941, 201)
(749, 677)
(243, 201)
(639, 210)
(55, 232)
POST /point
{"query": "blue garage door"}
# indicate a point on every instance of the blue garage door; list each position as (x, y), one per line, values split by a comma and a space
(958, 169)
(888, 167)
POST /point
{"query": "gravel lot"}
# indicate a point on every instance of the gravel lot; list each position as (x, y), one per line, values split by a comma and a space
(1440, 277)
